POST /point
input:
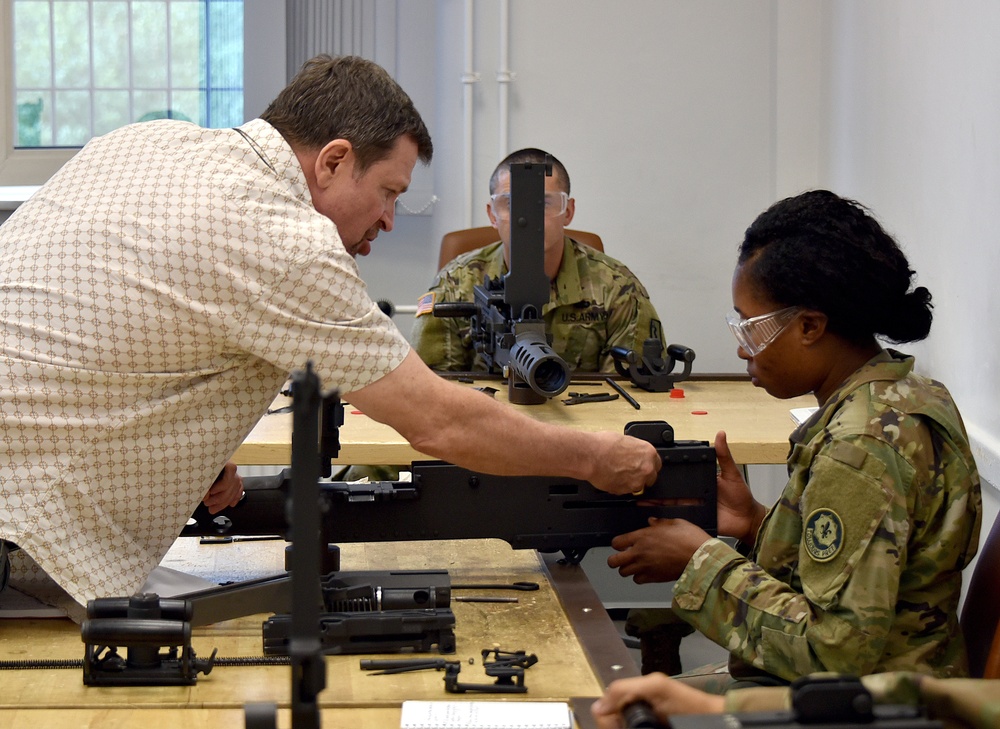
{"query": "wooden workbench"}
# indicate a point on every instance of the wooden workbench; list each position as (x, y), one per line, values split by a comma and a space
(757, 425)
(563, 623)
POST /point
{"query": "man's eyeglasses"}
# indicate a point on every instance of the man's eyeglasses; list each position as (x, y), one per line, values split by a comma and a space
(755, 333)
(555, 204)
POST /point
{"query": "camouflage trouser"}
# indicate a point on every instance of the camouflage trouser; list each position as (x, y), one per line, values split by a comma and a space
(713, 678)
(659, 631)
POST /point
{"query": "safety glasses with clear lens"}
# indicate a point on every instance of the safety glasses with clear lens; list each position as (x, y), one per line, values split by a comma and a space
(755, 333)
(555, 204)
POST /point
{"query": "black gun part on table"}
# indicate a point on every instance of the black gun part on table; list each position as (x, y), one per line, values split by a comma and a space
(649, 369)
(506, 322)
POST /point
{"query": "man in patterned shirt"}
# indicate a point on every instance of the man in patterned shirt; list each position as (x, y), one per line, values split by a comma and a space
(156, 292)
(595, 302)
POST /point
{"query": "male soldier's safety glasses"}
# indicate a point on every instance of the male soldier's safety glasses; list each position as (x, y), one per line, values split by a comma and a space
(555, 204)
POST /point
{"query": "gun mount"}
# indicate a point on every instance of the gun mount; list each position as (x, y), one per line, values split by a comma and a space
(142, 625)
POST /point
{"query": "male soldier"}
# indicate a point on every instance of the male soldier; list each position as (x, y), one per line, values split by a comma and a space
(595, 302)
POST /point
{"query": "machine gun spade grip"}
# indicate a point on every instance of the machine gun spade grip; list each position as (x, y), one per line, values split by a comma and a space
(657, 432)
(649, 370)
(685, 486)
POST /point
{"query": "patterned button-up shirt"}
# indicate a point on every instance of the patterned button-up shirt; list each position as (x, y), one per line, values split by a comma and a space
(154, 296)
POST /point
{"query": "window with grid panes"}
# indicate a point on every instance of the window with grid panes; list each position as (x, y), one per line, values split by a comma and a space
(84, 67)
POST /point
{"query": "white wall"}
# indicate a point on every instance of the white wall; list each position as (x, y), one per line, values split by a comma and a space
(680, 121)
(914, 92)
(665, 115)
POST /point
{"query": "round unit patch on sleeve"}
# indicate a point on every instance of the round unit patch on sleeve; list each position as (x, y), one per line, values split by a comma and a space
(823, 534)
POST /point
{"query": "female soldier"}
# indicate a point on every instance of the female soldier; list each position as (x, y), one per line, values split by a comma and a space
(857, 568)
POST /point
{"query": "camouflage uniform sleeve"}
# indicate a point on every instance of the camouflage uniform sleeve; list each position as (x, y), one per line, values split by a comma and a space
(632, 321)
(959, 702)
(850, 542)
(443, 343)
(758, 698)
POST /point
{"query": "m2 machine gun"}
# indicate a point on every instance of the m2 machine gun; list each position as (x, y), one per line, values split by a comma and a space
(507, 326)
(444, 501)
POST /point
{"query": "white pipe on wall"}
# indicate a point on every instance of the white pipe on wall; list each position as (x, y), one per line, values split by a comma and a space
(504, 79)
(469, 79)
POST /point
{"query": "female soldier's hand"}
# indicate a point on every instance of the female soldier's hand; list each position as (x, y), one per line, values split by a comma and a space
(658, 552)
(739, 514)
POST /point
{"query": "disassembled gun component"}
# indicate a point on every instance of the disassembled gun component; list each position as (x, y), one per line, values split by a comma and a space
(508, 668)
(378, 612)
(380, 632)
(388, 666)
(142, 624)
(522, 586)
(649, 370)
(575, 398)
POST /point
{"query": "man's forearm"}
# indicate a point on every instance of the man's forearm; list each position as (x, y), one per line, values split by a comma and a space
(477, 432)
(463, 426)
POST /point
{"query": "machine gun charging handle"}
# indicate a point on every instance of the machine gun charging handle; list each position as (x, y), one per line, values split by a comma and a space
(639, 715)
(453, 309)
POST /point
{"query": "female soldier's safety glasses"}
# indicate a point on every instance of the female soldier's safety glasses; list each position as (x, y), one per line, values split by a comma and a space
(755, 333)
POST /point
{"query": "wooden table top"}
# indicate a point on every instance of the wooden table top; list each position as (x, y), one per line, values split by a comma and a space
(548, 622)
(189, 718)
(757, 425)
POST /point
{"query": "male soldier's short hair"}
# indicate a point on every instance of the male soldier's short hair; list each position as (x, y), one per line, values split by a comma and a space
(530, 155)
(350, 98)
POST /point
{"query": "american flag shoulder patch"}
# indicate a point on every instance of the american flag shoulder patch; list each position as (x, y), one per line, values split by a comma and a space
(425, 304)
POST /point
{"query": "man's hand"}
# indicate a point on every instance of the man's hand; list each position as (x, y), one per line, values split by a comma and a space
(624, 464)
(664, 695)
(657, 553)
(226, 491)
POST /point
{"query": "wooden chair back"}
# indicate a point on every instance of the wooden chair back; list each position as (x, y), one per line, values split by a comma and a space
(458, 242)
(981, 611)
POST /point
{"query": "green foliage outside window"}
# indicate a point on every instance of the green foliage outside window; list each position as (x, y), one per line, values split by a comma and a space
(85, 67)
